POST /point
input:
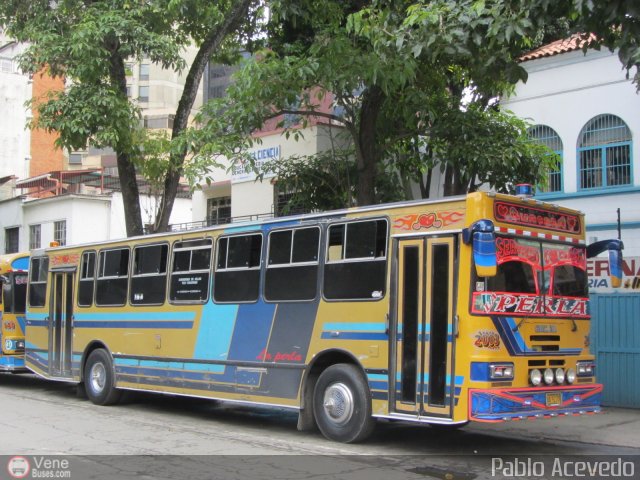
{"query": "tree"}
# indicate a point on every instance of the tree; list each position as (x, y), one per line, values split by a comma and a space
(88, 42)
(398, 105)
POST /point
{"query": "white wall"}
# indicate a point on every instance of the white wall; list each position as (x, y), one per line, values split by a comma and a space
(564, 92)
(11, 216)
(15, 90)
(250, 197)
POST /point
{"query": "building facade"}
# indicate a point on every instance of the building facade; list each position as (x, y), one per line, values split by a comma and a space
(585, 108)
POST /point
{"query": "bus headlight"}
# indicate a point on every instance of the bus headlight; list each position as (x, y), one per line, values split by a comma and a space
(571, 375)
(548, 376)
(535, 376)
(560, 375)
(501, 371)
(585, 369)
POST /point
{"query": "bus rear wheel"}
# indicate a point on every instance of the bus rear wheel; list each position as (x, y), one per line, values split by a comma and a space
(99, 379)
(342, 404)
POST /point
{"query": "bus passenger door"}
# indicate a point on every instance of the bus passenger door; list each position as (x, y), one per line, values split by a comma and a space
(424, 325)
(61, 324)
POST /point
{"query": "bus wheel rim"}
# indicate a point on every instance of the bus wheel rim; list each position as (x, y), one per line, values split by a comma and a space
(98, 377)
(338, 403)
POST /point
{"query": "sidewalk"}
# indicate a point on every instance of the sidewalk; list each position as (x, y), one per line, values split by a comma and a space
(614, 426)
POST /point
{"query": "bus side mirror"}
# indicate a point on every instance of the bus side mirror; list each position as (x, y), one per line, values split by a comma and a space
(481, 235)
(615, 258)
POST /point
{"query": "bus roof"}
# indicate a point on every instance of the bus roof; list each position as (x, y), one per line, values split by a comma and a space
(14, 262)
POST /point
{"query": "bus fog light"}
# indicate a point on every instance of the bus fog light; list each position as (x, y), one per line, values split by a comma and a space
(585, 369)
(548, 376)
(560, 375)
(571, 375)
(501, 371)
(535, 376)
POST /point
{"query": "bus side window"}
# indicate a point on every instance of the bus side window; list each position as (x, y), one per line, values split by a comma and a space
(237, 276)
(189, 282)
(87, 277)
(358, 272)
(19, 294)
(292, 270)
(113, 276)
(39, 269)
(149, 276)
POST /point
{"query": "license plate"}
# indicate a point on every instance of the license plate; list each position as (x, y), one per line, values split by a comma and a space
(554, 399)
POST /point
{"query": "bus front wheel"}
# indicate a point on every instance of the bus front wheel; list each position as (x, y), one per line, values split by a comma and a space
(99, 379)
(342, 404)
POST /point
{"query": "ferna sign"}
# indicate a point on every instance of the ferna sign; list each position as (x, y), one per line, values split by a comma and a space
(599, 281)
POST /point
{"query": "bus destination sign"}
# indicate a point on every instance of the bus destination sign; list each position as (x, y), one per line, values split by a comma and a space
(526, 216)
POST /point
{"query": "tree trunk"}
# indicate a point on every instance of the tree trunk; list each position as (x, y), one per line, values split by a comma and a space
(213, 41)
(130, 195)
(126, 169)
(372, 100)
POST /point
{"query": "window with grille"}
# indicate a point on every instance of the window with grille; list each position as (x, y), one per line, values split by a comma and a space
(34, 236)
(604, 153)
(11, 239)
(218, 210)
(60, 232)
(549, 137)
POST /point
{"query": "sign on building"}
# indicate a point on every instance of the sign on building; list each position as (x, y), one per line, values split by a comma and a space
(599, 282)
(242, 170)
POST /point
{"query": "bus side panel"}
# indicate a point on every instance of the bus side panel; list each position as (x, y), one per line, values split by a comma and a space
(359, 328)
(220, 349)
(37, 342)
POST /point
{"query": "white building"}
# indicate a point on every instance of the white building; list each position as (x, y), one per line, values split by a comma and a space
(586, 109)
(59, 206)
(15, 90)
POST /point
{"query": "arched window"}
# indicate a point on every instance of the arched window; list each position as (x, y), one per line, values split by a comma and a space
(604, 153)
(549, 137)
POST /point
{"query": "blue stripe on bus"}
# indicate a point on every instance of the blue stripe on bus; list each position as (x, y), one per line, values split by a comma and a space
(354, 327)
(137, 316)
(21, 321)
(37, 316)
(377, 376)
(215, 332)
(176, 367)
(355, 336)
(151, 372)
(134, 324)
(251, 331)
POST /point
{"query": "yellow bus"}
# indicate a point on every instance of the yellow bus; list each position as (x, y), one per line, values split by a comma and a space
(466, 309)
(13, 279)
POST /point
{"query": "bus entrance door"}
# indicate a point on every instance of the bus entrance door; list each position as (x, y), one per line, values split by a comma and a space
(424, 324)
(61, 324)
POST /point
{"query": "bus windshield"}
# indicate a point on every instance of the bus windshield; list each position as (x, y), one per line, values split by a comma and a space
(534, 278)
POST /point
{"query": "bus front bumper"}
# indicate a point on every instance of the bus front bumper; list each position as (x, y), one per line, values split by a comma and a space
(503, 404)
(12, 363)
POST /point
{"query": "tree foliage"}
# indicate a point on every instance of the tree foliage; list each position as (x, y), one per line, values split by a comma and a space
(87, 42)
(404, 105)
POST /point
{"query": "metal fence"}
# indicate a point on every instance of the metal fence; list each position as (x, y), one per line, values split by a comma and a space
(615, 340)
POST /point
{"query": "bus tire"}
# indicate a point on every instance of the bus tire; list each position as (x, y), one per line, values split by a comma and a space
(342, 404)
(99, 379)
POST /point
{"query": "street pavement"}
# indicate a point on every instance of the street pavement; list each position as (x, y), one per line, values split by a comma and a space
(615, 427)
